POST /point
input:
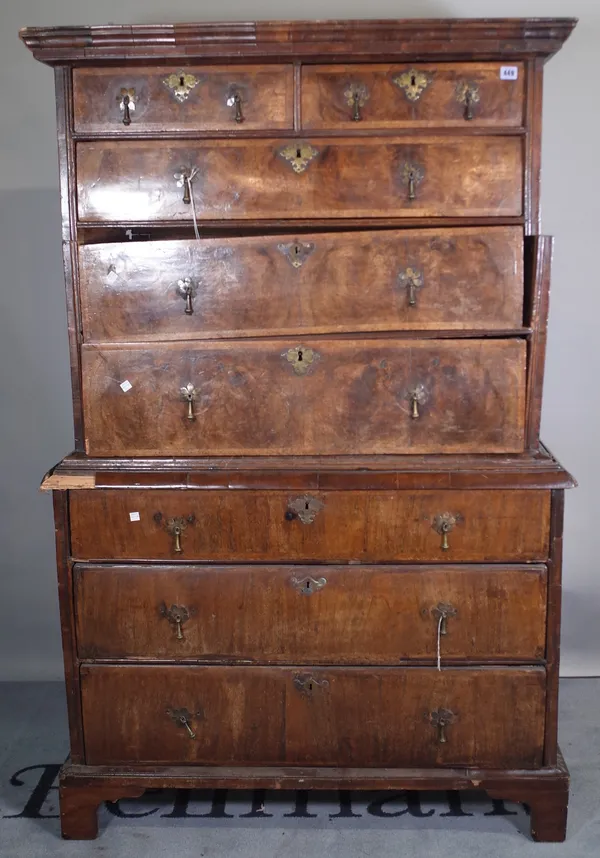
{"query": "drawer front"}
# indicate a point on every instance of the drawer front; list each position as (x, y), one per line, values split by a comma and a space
(311, 614)
(310, 397)
(397, 96)
(320, 283)
(209, 98)
(277, 526)
(141, 180)
(317, 716)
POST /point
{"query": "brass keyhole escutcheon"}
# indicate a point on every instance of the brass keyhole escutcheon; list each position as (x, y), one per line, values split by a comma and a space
(181, 84)
(177, 615)
(301, 358)
(413, 83)
(307, 586)
(187, 289)
(306, 507)
(296, 252)
(444, 524)
(441, 719)
(307, 684)
(182, 718)
(298, 155)
(189, 393)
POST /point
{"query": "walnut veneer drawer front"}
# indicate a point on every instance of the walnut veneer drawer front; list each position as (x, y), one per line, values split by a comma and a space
(172, 98)
(317, 283)
(311, 615)
(307, 397)
(490, 717)
(277, 526)
(394, 96)
(147, 180)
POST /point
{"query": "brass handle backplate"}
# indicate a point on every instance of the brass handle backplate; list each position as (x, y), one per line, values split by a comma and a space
(411, 279)
(182, 718)
(187, 290)
(307, 684)
(176, 526)
(308, 585)
(189, 393)
(441, 719)
(443, 524)
(177, 615)
(467, 93)
(126, 99)
(305, 508)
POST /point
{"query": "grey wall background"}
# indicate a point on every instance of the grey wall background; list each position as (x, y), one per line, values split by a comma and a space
(35, 415)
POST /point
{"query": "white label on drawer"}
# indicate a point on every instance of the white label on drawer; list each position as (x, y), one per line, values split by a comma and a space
(125, 386)
(509, 72)
(134, 516)
(112, 275)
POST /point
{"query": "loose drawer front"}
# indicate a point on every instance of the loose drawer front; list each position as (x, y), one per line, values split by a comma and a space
(276, 526)
(311, 615)
(363, 281)
(305, 397)
(142, 180)
(210, 98)
(392, 96)
(489, 717)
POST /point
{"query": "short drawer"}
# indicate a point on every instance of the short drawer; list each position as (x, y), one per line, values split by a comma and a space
(305, 397)
(311, 614)
(283, 527)
(174, 98)
(454, 95)
(393, 717)
(405, 177)
(452, 279)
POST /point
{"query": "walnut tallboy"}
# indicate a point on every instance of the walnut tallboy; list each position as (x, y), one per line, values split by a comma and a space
(308, 536)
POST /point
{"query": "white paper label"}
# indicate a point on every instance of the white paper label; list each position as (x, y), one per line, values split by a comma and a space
(134, 516)
(509, 72)
(111, 276)
(125, 386)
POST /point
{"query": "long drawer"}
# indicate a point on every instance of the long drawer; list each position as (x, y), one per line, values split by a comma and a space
(319, 396)
(311, 614)
(283, 527)
(413, 95)
(168, 98)
(145, 180)
(488, 717)
(303, 284)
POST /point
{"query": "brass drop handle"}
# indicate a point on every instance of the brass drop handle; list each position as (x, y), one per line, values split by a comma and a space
(412, 175)
(356, 117)
(176, 526)
(442, 612)
(416, 396)
(126, 100)
(235, 100)
(441, 719)
(411, 279)
(411, 185)
(177, 615)
(182, 718)
(188, 393)
(184, 180)
(468, 95)
(444, 524)
(187, 290)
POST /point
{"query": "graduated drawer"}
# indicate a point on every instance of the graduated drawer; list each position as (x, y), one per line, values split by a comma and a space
(490, 717)
(311, 614)
(141, 180)
(419, 95)
(278, 526)
(316, 396)
(318, 283)
(174, 98)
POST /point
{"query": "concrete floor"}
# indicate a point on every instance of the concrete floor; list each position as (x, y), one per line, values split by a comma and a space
(33, 742)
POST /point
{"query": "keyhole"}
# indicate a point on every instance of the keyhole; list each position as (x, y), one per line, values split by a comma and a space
(310, 686)
(413, 81)
(181, 83)
(298, 153)
(307, 586)
(299, 359)
(297, 250)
